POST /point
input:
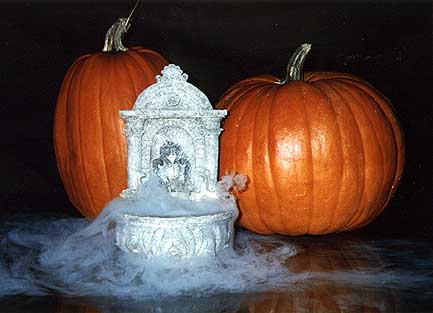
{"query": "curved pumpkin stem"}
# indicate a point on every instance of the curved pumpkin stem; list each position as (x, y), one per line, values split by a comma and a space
(114, 36)
(295, 67)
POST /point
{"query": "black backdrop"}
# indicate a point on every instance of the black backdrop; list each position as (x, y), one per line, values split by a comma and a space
(388, 43)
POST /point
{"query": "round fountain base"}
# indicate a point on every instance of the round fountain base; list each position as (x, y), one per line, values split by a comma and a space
(179, 236)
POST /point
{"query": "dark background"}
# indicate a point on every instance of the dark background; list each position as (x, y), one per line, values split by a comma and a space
(388, 43)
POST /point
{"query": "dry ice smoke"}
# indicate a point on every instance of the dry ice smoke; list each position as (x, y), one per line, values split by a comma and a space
(78, 257)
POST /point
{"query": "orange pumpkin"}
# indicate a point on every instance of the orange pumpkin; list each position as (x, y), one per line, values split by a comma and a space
(323, 153)
(88, 131)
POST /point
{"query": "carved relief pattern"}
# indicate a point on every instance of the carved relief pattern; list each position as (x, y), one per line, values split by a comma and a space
(172, 91)
(133, 130)
(171, 73)
(133, 126)
(175, 236)
(172, 128)
(166, 111)
(172, 166)
(195, 142)
(173, 113)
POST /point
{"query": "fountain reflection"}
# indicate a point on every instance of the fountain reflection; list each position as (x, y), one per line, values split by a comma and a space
(214, 304)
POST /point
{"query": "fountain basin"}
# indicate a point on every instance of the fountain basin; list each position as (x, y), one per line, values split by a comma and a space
(177, 236)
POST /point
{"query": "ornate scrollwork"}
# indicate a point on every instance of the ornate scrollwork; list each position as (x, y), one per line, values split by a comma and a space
(172, 72)
(133, 127)
(172, 132)
(179, 237)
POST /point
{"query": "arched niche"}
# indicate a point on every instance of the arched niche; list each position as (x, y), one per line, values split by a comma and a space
(173, 116)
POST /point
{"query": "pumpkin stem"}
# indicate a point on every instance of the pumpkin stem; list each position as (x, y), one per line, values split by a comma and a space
(113, 38)
(295, 68)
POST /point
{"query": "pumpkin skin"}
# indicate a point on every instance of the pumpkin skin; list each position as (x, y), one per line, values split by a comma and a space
(88, 135)
(323, 154)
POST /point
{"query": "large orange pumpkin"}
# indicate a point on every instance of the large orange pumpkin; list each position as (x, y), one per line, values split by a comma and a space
(323, 153)
(88, 131)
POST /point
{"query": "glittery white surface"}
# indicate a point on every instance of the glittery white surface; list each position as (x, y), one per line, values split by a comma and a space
(173, 132)
(176, 236)
(173, 110)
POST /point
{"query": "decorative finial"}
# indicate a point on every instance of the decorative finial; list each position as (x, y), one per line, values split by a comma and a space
(172, 72)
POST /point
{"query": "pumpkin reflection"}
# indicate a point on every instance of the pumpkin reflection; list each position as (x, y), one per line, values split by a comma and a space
(333, 278)
(327, 275)
(322, 299)
(66, 307)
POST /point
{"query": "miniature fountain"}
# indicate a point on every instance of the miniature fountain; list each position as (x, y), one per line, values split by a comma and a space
(173, 134)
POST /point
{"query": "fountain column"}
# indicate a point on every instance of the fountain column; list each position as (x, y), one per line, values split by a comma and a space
(133, 130)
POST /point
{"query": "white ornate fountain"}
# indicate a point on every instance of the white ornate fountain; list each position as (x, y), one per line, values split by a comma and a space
(172, 133)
